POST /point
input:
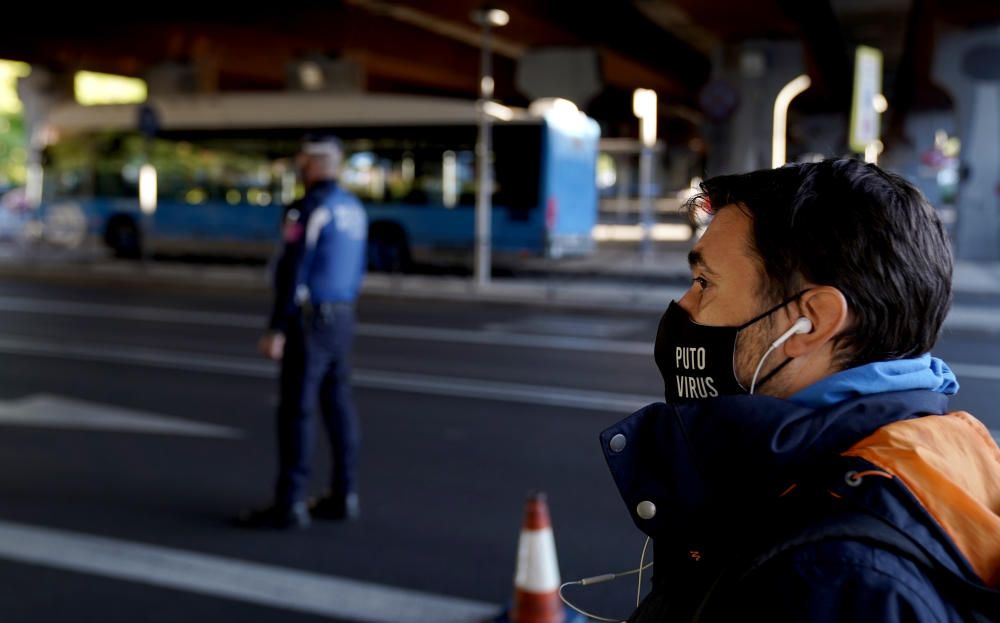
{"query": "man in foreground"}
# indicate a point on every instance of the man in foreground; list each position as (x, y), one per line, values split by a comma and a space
(842, 489)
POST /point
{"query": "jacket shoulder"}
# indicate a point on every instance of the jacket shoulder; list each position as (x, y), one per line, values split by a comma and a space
(342, 194)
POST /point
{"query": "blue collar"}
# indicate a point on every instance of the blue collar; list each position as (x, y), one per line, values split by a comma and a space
(322, 187)
(924, 372)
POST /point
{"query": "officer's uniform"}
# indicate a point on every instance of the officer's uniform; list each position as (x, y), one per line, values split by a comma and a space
(317, 279)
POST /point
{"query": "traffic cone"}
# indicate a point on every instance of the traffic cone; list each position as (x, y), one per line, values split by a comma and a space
(536, 579)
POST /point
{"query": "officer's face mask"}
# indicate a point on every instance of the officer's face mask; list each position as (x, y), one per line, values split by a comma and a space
(699, 361)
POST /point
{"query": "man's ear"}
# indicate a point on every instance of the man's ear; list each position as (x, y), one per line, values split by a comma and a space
(826, 308)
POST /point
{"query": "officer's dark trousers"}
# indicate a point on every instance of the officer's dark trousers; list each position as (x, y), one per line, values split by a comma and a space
(315, 371)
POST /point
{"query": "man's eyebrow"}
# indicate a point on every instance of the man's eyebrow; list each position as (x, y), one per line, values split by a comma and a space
(697, 260)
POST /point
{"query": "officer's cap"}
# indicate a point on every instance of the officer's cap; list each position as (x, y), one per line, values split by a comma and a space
(323, 145)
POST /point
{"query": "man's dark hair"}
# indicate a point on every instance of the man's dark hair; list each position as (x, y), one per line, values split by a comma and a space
(850, 225)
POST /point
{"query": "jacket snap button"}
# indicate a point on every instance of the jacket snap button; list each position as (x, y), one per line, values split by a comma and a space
(646, 510)
(617, 443)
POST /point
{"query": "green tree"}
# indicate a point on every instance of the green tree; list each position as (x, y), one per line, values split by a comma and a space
(13, 142)
(13, 151)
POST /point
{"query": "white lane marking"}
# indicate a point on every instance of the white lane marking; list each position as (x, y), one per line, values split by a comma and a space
(196, 362)
(468, 336)
(498, 338)
(129, 312)
(504, 392)
(376, 379)
(973, 318)
(230, 578)
(572, 325)
(965, 317)
(373, 379)
(46, 411)
(975, 371)
(249, 321)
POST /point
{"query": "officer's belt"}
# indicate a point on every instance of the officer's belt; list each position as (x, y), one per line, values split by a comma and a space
(325, 309)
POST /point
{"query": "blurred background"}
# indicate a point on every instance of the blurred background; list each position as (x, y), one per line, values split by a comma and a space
(147, 155)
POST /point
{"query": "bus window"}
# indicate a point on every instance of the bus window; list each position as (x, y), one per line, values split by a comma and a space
(449, 179)
(195, 175)
(362, 176)
(517, 149)
(423, 175)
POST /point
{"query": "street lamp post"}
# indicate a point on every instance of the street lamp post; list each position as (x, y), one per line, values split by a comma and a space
(487, 18)
(779, 127)
(644, 106)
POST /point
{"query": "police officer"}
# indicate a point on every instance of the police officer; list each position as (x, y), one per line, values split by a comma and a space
(317, 279)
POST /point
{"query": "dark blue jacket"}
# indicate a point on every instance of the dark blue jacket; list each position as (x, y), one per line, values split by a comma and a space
(734, 477)
(324, 251)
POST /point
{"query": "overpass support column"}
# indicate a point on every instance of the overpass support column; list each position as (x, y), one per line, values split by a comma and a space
(968, 65)
(35, 92)
(757, 71)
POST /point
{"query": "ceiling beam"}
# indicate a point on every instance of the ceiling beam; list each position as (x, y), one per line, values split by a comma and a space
(826, 46)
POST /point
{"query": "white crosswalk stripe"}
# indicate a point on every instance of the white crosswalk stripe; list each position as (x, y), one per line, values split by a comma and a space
(230, 578)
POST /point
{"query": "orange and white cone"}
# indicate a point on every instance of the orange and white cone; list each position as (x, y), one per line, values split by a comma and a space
(536, 580)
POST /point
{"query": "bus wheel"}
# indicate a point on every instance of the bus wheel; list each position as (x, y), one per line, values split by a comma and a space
(388, 249)
(122, 236)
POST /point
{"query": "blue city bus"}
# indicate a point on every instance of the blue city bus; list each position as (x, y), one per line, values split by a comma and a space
(214, 174)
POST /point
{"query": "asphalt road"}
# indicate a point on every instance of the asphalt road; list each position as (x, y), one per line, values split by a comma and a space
(465, 408)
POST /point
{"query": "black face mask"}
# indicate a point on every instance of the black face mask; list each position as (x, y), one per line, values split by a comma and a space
(699, 361)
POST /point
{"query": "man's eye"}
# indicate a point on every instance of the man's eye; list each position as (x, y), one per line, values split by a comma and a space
(700, 281)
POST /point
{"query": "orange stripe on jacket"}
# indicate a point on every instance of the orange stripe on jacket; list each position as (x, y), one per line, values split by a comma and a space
(951, 464)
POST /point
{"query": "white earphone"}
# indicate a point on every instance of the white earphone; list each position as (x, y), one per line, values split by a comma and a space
(802, 325)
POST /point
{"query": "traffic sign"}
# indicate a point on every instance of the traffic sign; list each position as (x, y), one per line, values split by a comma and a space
(865, 116)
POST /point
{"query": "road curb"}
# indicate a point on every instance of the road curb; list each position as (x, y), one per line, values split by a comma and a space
(535, 292)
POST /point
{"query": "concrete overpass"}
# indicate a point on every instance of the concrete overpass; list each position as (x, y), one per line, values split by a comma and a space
(716, 64)
(425, 47)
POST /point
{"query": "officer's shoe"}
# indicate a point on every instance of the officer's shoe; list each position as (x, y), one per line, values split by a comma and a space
(276, 517)
(336, 507)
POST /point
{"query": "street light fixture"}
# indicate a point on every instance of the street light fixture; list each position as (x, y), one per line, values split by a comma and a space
(488, 18)
(496, 17)
(644, 107)
(880, 103)
(779, 127)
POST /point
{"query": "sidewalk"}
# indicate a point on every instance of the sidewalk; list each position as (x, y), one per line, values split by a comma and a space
(668, 265)
(973, 277)
(627, 296)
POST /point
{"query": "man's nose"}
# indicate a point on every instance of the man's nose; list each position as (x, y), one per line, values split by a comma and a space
(687, 302)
